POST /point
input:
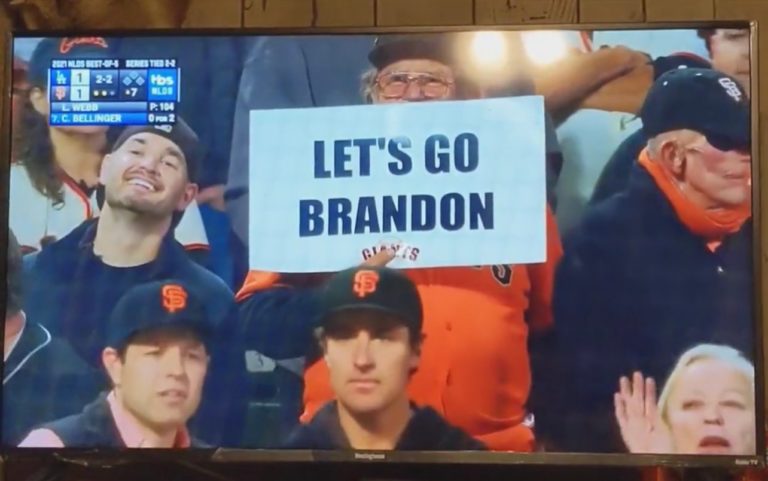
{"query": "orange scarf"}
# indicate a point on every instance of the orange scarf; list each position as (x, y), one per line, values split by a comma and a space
(712, 225)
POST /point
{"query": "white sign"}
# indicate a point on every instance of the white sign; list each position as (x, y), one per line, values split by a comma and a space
(442, 183)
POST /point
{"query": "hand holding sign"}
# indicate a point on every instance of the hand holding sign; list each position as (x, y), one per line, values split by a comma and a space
(380, 259)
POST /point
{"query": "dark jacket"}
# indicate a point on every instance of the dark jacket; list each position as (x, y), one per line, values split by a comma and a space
(71, 292)
(426, 431)
(635, 290)
(615, 175)
(94, 427)
(43, 379)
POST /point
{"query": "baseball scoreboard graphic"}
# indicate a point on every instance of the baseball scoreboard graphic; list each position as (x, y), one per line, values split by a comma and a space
(114, 91)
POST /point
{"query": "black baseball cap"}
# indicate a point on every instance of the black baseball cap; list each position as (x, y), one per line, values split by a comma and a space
(390, 48)
(662, 65)
(704, 100)
(50, 49)
(179, 133)
(376, 288)
(158, 304)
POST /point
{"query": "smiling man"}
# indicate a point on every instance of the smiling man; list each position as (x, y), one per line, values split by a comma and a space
(156, 358)
(370, 337)
(149, 178)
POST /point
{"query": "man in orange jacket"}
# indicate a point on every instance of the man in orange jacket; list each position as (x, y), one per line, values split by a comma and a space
(475, 369)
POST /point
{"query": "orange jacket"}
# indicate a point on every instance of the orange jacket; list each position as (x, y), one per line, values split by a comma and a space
(474, 366)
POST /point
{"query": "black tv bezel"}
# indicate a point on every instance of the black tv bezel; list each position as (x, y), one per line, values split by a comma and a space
(109, 456)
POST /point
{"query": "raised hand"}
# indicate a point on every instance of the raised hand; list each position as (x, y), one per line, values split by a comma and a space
(637, 415)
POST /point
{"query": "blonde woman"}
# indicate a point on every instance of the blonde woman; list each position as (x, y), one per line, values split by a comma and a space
(707, 406)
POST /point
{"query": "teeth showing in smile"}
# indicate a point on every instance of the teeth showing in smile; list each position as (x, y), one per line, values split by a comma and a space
(142, 183)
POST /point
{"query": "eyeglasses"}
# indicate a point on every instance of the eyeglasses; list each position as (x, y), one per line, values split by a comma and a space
(395, 84)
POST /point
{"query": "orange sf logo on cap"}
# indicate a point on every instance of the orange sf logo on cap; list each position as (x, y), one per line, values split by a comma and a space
(174, 298)
(366, 283)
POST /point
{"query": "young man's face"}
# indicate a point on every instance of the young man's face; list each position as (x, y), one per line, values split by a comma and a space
(370, 358)
(414, 80)
(729, 49)
(160, 378)
(147, 175)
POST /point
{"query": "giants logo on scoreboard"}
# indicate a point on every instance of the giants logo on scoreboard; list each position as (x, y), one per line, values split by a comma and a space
(60, 93)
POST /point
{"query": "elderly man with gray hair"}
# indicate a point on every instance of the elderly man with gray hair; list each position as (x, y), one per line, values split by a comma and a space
(665, 265)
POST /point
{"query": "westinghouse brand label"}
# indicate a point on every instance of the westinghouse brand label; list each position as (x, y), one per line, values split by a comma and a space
(371, 456)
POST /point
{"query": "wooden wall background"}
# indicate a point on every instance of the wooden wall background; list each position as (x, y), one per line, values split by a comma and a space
(89, 14)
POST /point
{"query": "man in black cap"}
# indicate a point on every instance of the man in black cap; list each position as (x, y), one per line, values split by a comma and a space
(512, 302)
(156, 355)
(728, 52)
(660, 267)
(148, 178)
(370, 337)
(43, 378)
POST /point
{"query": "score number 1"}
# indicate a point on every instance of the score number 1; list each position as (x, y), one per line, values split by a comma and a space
(81, 77)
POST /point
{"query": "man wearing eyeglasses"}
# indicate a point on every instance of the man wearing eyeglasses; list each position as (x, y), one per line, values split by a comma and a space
(660, 267)
(475, 368)
(433, 82)
(427, 67)
(413, 69)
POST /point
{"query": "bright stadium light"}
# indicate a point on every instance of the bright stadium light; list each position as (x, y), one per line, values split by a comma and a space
(489, 49)
(545, 47)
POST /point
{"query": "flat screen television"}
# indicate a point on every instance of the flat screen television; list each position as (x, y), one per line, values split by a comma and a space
(442, 245)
